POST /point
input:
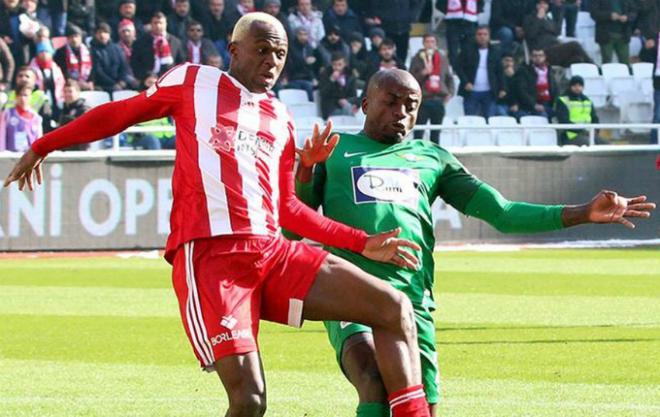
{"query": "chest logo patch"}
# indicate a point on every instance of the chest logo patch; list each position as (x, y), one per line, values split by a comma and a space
(385, 185)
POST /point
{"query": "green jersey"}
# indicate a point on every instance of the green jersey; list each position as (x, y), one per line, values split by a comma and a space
(378, 187)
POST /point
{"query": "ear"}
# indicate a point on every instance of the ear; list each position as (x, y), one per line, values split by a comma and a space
(364, 104)
(233, 49)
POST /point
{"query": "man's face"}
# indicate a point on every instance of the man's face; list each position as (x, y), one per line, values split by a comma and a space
(483, 37)
(339, 65)
(75, 41)
(30, 6)
(302, 36)
(195, 33)
(127, 35)
(23, 98)
(25, 78)
(538, 58)
(71, 94)
(158, 26)
(542, 7)
(10, 4)
(127, 10)
(272, 9)
(305, 6)
(392, 109)
(386, 52)
(333, 37)
(376, 41)
(577, 89)
(249, 4)
(217, 7)
(182, 8)
(507, 61)
(340, 7)
(102, 37)
(260, 56)
(430, 43)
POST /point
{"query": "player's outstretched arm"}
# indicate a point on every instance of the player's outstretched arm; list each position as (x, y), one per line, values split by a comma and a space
(26, 169)
(316, 150)
(608, 207)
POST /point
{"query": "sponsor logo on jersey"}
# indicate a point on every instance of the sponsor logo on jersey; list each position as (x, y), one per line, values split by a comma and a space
(385, 185)
(224, 139)
(228, 322)
(231, 335)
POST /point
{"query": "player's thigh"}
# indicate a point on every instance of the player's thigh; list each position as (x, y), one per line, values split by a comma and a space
(242, 376)
(428, 354)
(344, 292)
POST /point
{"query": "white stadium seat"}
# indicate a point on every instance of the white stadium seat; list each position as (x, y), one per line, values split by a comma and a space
(454, 108)
(596, 89)
(293, 96)
(474, 137)
(123, 94)
(585, 26)
(619, 81)
(642, 70)
(506, 137)
(303, 109)
(534, 121)
(585, 70)
(538, 136)
(345, 121)
(304, 126)
(449, 138)
(95, 98)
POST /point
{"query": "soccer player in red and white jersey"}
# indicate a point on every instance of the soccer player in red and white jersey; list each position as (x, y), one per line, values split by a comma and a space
(232, 191)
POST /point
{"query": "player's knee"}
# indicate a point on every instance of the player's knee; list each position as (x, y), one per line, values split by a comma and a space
(245, 404)
(399, 315)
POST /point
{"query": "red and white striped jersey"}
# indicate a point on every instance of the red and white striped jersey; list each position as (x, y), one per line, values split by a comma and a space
(233, 172)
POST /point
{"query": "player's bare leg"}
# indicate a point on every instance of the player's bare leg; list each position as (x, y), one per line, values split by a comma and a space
(243, 378)
(343, 292)
(358, 360)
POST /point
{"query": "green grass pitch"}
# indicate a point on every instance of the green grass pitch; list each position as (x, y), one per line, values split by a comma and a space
(528, 333)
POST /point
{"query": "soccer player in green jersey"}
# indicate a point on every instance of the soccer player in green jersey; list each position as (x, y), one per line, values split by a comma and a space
(377, 181)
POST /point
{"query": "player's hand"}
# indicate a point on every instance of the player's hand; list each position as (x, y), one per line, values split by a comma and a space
(386, 247)
(28, 166)
(318, 148)
(609, 207)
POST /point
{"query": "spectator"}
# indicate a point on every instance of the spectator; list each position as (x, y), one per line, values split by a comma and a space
(74, 107)
(127, 10)
(359, 59)
(153, 140)
(332, 44)
(82, 13)
(395, 17)
(575, 108)
(377, 35)
(506, 103)
(506, 21)
(614, 22)
(23, 27)
(309, 19)
(20, 126)
(337, 88)
(461, 20)
(535, 88)
(234, 13)
(479, 70)
(386, 58)
(50, 78)
(342, 16)
(648, 18)
(199, 48)
(178, 21)
(52, 13)
(7, 66)
(651, 53)
(301, 63)
(216, 27)
(39, 102)
(274, 8)
(156, 51)
(215, 61)
(431, 70)
(127, 34)
(110, 70)
(74, 58)
(541, 32)
(568, 12)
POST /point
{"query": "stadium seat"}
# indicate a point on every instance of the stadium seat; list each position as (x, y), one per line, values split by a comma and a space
(506, 137)
(95, 98)
(643, 74)
(619, 81)
(585, 26)
(305, 109)
(290, 96)
(585, 70)
(123, 94)
(454, 108)
(642, 70)
(346, 121)
(538, 136)
(304, 126)
(596, 89)
(449, 138)
(474, 137)
(635, 110)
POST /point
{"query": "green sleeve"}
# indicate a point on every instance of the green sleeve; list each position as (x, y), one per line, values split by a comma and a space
(310, 193)
(511, 216)
(456, 185)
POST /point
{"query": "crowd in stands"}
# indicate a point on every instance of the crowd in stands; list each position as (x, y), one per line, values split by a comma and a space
(52, 50)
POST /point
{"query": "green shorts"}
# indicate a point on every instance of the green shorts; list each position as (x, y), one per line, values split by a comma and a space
(338, 332)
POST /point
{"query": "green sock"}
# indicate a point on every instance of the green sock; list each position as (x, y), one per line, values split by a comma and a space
(373, 410)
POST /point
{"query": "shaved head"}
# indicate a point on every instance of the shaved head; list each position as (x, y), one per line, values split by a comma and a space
(391, 105)
(245, 23)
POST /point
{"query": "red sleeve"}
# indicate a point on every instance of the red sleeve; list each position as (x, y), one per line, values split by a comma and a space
(298, 218)
(112, 118)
